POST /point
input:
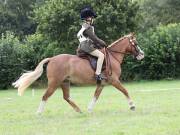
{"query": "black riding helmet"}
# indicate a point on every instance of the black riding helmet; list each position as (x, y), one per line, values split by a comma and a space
(87, 12)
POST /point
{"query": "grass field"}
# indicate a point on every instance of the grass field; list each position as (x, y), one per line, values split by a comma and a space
(157, 111)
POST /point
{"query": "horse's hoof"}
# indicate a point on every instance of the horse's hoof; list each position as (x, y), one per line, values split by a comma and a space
(133, 108)
(81, 112)
(90, 110)
(38, 113)
(78, 110)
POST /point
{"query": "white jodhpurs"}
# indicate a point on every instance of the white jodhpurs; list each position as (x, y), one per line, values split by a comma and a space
(100, 60)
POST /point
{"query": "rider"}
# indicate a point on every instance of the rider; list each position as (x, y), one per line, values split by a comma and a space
(89, 41)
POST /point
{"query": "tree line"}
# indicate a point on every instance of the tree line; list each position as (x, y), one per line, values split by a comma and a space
(34, 29)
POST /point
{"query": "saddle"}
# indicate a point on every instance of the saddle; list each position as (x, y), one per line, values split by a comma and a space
(92, 59)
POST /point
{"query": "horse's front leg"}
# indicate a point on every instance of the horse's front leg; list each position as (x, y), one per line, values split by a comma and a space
(95, 98)
(117, 84)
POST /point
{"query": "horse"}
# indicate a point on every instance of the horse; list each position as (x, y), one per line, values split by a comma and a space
(64, 69)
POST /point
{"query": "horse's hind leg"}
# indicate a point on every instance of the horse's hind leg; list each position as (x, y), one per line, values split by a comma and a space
(52, 86)
(66, 95)
(119, 86)
(95, 98)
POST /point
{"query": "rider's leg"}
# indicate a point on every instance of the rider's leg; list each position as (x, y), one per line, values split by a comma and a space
(100, 60)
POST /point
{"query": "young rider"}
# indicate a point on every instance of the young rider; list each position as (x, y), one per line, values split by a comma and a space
(89, 41)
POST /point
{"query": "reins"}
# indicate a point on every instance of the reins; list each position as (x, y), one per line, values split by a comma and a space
(108, 60)
(108, 51)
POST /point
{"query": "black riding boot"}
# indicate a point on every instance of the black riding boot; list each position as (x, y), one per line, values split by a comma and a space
(99, 78)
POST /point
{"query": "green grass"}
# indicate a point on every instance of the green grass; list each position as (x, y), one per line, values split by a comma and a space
(157, 111)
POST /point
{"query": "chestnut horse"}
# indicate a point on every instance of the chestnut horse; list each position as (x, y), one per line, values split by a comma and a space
(63, 69)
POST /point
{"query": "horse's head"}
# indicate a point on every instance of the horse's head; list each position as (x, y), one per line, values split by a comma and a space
(127, 45)
(133, 47)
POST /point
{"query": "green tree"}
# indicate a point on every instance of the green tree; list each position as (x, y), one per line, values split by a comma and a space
(157, 12)
(59, 20)
(15, 17)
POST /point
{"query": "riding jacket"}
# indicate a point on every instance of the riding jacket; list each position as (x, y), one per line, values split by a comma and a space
(88, 39)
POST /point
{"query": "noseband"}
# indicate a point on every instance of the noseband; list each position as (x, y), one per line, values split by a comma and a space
(134, 44)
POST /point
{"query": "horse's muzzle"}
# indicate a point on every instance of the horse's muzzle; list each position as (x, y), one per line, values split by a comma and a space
(140, 56)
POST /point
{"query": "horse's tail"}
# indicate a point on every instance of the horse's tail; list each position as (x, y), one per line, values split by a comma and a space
(29, 77)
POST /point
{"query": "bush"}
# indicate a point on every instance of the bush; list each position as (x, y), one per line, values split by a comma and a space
(42, 48)
(162, 54)
(14, 57)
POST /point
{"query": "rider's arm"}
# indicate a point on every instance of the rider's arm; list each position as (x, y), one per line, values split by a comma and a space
(89, 32)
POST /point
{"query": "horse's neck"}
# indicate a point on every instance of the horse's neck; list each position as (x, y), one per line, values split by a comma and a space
(119, 49)
(119, 45)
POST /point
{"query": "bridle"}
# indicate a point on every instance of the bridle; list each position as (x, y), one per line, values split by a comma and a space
(108, 51)
(132, 43)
